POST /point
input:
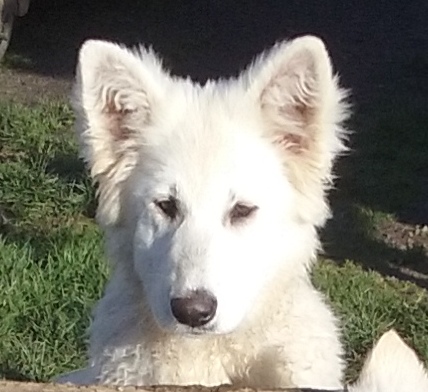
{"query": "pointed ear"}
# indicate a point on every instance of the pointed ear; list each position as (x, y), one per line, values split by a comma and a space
(113, 99)
(392, 366)
(303, 109)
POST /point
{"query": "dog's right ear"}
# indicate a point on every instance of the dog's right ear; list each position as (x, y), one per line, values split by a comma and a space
(113, 99)
(392, 367)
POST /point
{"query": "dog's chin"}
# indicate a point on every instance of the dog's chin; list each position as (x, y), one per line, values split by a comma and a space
(198, 332)
(207, 331)
(192, 332)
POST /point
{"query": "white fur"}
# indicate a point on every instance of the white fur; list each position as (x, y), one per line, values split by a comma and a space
(267, 139)
(392, 367)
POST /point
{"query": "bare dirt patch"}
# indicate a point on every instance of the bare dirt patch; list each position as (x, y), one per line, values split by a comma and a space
(30, 88)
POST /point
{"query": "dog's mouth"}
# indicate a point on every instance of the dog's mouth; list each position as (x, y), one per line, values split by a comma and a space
(196, 332)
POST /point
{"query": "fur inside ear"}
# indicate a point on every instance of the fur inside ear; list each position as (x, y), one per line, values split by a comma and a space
(113, 99)
(303, 108)
(392, 366)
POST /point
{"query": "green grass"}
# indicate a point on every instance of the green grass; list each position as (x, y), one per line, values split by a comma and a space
(52, 268)
(51, 263)
(370, 304)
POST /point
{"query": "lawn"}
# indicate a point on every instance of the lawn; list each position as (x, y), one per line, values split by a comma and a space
(52, 268)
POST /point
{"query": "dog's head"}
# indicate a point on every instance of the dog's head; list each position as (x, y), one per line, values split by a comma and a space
(221, 186)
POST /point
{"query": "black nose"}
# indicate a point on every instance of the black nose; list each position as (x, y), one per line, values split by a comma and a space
(196, 309)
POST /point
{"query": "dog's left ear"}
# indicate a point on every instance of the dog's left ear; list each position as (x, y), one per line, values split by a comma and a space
(303, 109)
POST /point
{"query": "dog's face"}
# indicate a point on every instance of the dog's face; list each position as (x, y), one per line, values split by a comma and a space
(221, 186)
(214, 215)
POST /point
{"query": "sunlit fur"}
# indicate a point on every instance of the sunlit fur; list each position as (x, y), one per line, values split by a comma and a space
(268, 139)
(392, 366)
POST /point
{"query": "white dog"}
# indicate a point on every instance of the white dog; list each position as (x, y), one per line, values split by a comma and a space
(392, 367)
(210, 198)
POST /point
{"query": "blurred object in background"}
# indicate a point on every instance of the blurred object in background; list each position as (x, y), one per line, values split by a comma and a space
(9, 9)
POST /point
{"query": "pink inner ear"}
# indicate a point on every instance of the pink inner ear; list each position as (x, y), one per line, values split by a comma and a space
(299, 112)
(114, 118)
(290, 104)
(296, 144)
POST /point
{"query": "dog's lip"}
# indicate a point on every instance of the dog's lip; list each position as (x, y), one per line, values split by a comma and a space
(199, 331)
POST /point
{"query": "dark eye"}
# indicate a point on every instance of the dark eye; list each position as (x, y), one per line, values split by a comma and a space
(240, 212)
(169, 207)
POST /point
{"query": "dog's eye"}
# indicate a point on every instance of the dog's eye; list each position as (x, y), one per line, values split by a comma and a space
(241, 211)
(169, 207)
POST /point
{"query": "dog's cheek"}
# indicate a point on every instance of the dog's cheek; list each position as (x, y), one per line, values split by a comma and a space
(253, 261)
(235, 304)
(154, 272)
(148, 252)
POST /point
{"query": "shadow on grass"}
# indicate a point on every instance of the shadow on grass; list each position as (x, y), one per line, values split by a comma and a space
(70, 168)
(350, 235)
(383, 183)
(40, 243)
(387, 169)
(10, 373)
(46, 231)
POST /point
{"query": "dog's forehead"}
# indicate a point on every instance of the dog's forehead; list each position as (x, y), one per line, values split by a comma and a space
(210, 143)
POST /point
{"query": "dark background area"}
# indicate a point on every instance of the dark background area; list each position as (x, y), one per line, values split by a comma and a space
(376, 45)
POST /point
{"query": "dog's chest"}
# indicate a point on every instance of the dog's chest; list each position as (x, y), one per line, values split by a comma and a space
(190, 362)
(170, 364)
